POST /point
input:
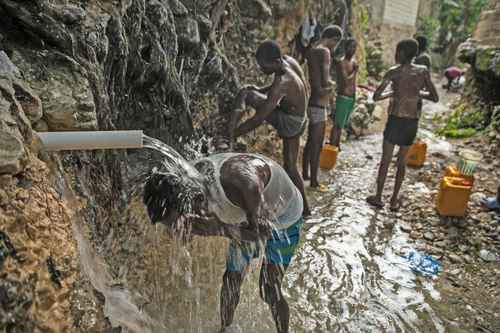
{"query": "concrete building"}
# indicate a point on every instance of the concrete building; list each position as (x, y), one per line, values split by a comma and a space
(394, 20)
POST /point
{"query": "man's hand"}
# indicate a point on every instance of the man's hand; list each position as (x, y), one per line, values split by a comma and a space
(241, 233)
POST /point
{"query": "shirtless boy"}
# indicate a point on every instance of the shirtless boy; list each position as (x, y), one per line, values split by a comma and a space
(319, 62)
(410, 82)
(347, 71)
(282, 104)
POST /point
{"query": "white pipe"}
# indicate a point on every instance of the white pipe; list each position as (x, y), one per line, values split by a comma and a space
(54, 141)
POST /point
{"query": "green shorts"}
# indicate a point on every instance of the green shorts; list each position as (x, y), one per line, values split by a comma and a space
(344, 105)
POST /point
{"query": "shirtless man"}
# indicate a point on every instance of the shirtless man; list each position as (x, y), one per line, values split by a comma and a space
(409, 83)
(347, 70)
(318, 62)
(282, 104)
(247, 198)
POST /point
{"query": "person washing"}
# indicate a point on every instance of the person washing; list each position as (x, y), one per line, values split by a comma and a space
(318, 63)
(247, 198)
(409, 83)
(452, 74)
(282, 104)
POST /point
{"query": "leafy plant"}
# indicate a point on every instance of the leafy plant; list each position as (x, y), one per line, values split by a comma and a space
(465, 121)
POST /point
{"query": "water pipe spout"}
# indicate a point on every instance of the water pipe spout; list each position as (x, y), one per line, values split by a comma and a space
(56, 141)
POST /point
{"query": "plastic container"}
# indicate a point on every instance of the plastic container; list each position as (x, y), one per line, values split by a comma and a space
(468, 161)
(453, 196)
(452, 171)
(417, 154)
(328, 157)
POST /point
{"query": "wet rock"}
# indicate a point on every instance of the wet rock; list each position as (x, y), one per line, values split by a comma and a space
(488, 256)
(187, 31)
(257, 9)
(455, 258)
(7, 68)
(487, 60)
(30, 103)
(11, 153)
(406, 228)
(177, 8)
(71, 14)
(68, 103)
(416, 235)
(441, 244)
(429, 236)
(41, 126)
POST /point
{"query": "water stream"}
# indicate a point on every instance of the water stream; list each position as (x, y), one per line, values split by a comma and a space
(348, 274)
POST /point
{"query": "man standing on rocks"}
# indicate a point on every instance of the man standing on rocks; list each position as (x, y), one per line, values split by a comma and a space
(250, 200)
(410, 83)
(282, 104)
(347, 70)
(319, 63)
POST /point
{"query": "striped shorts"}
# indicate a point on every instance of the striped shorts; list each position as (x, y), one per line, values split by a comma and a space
(279, 249)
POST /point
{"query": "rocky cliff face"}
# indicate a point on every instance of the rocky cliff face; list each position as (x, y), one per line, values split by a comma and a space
(169, 67)
(482, 52)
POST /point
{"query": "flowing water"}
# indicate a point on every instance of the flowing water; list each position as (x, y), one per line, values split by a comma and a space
(347, 276)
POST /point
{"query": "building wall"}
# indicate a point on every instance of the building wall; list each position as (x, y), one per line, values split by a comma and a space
(487, 32)
(392, 21)
(401, 12)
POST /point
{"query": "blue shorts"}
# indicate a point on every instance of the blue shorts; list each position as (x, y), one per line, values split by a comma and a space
(280, 249)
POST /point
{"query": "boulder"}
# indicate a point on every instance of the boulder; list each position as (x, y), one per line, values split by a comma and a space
(30, 103)
(257, 9)
(11, 154)
(188, 32)
(7, 68)
(488, 60)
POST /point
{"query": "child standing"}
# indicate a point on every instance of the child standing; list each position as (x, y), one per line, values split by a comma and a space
(347, 70)
(409, 83)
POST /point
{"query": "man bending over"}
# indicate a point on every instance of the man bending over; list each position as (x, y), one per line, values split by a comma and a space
(247, 198)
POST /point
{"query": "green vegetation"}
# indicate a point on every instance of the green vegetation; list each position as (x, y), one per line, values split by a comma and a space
(464, 122)
(428, 26)
(452, 25)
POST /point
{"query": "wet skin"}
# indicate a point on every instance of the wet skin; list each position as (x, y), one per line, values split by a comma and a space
(318, 63)
(287, 90)
(347, 70)
(243, 178)
(409, 84)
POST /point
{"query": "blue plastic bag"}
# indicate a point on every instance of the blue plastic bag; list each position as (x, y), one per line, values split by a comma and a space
(423, 264)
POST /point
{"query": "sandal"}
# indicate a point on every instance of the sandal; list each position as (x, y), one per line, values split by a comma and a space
(320, 188)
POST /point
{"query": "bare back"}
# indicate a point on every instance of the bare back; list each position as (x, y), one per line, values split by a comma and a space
(407, 83)
(292, 88)
(318, 65)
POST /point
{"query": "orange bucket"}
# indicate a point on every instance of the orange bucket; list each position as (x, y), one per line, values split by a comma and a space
(416, 154)
(453, 196)
(328, 157)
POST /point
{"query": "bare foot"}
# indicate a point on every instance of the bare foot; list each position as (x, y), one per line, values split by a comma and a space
(374, 201)
(395, 205)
